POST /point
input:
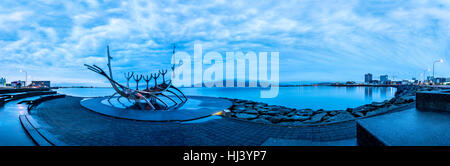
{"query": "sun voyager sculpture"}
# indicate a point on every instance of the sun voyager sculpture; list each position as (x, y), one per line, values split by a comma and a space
(150, 98)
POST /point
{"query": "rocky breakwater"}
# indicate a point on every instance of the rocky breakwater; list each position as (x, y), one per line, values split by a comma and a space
(279, 115)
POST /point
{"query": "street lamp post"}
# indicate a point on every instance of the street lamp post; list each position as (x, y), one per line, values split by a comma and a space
(440, 61)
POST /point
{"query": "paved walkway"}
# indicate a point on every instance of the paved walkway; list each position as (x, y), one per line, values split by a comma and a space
(74, 125)
(11, 130)
(290, 142)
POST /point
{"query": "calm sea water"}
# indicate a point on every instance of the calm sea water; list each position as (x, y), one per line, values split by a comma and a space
(315, 97)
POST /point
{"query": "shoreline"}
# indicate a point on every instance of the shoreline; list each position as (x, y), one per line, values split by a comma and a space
(279, 115)
(343, 85)
(288, 99)
(261, 112)
(264, 87)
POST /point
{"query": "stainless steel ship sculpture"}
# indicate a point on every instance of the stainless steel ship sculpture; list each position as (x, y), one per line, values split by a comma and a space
(152, 96)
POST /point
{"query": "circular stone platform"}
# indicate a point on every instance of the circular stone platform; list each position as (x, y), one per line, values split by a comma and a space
(195, 108)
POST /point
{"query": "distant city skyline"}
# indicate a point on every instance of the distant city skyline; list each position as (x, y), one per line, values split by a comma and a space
(318, 41)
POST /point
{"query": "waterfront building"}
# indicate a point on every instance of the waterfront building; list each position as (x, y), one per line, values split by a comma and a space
(368, 78)
(394, 82)
(384, 79)
(40, 84)
(439, 80)
(17, 84)
(375, 82)
(407, 82)
(350, 83)
(447, 81)
(415, 80)
(430, 79)
(2, 82)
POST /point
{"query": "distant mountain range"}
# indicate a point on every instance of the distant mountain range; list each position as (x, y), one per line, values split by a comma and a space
(283, 84)
(235, 83)
(142, 85)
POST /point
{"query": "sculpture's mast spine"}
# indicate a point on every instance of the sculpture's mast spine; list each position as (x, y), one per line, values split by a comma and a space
(109, 62)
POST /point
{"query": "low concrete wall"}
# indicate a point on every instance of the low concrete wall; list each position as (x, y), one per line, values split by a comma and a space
(36, 102)
(31, 94)
(2, 101)
(433, 101)
(8, 90)
(7, 98)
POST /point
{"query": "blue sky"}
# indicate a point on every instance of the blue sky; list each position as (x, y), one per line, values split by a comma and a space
(328, 40)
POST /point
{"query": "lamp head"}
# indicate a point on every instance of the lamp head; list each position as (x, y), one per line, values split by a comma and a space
(441, 60)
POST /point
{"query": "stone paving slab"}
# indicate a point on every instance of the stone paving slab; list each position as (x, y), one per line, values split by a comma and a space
(290, 142)
(74, 125)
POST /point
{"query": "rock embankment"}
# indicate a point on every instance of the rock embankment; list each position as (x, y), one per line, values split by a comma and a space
(280, 115)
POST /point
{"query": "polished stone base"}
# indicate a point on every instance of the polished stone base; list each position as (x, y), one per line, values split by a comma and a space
(195, 108)
(433, 101)
(406, 128)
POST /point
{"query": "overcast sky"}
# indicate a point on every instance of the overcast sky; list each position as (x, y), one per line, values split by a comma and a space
(327, 40)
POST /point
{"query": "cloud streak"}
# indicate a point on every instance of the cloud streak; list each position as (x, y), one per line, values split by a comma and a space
(317, 40)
